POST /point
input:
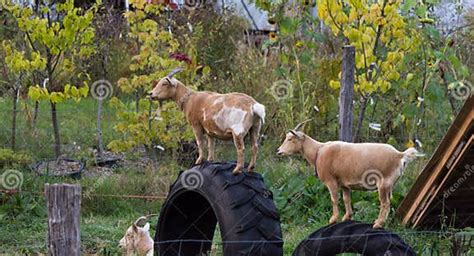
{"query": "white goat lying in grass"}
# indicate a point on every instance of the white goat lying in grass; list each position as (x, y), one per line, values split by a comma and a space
(359, 166)
(230, 116)
(137, 240)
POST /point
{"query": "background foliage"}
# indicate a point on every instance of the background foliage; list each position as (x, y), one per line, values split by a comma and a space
(408, 75)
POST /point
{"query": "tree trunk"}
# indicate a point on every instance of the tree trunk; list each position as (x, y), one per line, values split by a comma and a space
(64, 214)
(137, 101)
(57, 141)
(99, 127)
(360, 119)
(346, 93)
(35, 116)
(14, 114)
(104, 63)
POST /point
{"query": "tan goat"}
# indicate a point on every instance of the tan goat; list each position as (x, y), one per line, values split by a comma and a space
(137, 240)
(222, 116)
(358, 166)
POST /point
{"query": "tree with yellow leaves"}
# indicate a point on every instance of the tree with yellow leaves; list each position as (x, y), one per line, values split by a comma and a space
(381, 39)
(54, 36)
(138, 124)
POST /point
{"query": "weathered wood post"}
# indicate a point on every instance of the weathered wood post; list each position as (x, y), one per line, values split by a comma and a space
(64, 207)
(346, 93)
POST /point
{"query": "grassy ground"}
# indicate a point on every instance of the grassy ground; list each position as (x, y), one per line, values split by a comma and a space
(302, 200)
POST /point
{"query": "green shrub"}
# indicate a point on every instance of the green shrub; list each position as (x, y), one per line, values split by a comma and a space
(10, 158)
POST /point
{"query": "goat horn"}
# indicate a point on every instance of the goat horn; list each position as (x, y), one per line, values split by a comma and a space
(174, 71)
(144, 218)
(298, 126)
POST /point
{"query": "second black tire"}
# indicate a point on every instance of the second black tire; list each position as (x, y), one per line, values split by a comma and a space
(353, 237)
(209, 194)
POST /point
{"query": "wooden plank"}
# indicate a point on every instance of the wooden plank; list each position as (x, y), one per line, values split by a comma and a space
(407, 206)
(416, 214)
(435, 165)
(346, 93)
(64, 207)
(455, 154)
(440, 185)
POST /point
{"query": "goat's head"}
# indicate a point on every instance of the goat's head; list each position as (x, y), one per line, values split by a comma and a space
(166, 87)
(137, 239)
(293, 143)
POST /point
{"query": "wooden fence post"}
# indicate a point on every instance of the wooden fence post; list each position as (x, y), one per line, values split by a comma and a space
(64, 207)
(346, 93)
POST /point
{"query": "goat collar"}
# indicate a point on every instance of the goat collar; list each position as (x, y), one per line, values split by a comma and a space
(183, 99)
(315, 165)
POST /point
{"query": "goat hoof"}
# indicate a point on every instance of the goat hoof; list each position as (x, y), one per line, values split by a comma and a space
(333, 220)
(199, 161)
(377, 225)
(251, 168)
(346, 217)
(236, 171)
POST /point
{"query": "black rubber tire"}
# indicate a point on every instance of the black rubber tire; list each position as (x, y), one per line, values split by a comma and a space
(209, 194)
(353, 237)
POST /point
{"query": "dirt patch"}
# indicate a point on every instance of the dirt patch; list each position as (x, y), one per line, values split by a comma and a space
(60, 167)
(106, 163)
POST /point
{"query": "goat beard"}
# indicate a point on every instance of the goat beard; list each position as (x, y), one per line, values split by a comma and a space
(158, 110)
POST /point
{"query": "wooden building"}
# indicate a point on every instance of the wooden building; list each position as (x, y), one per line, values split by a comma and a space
(443, 193)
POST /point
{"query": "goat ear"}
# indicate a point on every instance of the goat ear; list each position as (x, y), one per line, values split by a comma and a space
(170, 82)
(294, 133)
(139, 220)
(146, 227)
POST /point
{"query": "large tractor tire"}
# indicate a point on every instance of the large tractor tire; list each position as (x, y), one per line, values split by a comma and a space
(353, 237)
(209, 194)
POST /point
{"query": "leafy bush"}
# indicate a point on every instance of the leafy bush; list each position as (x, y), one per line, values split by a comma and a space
(10, 158)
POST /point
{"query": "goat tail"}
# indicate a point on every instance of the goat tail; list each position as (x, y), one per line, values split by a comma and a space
(410, 154)
(259, 109)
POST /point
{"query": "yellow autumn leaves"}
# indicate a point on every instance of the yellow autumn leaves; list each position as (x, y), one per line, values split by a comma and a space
(369, 27)
(17, 62)
(51, 43)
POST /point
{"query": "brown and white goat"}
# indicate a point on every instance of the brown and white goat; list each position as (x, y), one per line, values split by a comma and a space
(219, 116)
(358, 166)
(137, 240)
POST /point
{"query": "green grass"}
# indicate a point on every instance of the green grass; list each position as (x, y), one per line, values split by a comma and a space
(302, 200)
(77, 122)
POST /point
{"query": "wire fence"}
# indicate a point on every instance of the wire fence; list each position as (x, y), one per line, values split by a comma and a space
(41, 193)
(423, 242)
(427, 243)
